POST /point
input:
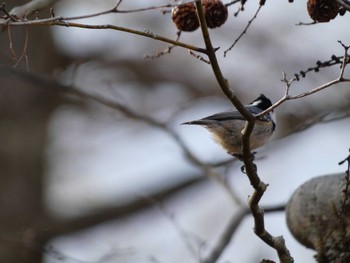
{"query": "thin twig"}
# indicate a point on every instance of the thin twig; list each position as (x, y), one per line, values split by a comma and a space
(13, 52)
(8, 15)
(146, 8)
(288, 83)
(306, 23)
(244, 31)
(233, 2)
(24, 51)
(112, 27)
(199, 57)
(241, 7)
(226, 236)
(64, 21)
(184, 235)
(335, 60)
(117, 5)
(115, 9)
(167, 50)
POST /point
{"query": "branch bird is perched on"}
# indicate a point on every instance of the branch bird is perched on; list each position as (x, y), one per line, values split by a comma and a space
(226, 126)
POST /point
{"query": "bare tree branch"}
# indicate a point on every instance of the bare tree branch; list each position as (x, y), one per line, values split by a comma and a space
(226, 236)
(64, 23)
(344, 4)
(244, 31)
(62, 227)
(207, 169)
(251, 171)
(231, 228)
(288, 83)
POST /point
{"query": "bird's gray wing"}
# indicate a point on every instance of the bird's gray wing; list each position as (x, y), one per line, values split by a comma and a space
(225, 116)
(231, 115)
(218, 117)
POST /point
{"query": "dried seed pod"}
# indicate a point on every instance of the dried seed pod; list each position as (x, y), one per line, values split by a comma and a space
(185, 17)
(322, 10)
(215, 13)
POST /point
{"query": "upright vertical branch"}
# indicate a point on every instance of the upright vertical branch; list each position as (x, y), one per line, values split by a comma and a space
(215, 65)
(251, 171)
(247, 156)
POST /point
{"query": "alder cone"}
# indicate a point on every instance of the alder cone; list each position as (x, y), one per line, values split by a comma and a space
(322, 10)
(185, 17)
(215, 13)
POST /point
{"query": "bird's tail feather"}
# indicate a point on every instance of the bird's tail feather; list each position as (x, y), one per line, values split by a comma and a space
(197, 122)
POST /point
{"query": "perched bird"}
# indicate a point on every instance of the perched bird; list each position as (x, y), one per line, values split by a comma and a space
(226, 126)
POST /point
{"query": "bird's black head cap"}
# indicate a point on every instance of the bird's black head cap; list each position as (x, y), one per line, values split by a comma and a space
(262, 102)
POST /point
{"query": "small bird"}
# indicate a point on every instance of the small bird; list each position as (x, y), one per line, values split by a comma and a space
(226, 126)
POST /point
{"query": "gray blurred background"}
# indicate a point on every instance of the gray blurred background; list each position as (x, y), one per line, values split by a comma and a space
(82, 182)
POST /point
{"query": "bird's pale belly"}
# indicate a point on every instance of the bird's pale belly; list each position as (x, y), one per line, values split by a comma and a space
(230, 138)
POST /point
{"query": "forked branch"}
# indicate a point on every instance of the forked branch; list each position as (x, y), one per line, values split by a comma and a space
(259, 187)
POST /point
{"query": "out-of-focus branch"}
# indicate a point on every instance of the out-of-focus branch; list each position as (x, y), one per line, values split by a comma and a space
(226, 236)
(30, 7)
(43, 82)
(206, 168)
(231, 228)
(20, 12)
(62, 227)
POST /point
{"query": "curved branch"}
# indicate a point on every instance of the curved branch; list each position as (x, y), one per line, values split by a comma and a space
(60, 21)
(226, 237)
(206, 168)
